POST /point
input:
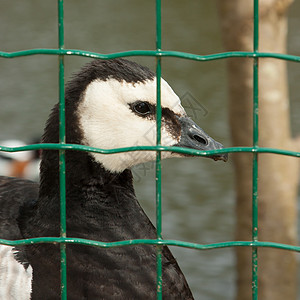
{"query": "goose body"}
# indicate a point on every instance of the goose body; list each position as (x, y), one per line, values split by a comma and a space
(109, 104)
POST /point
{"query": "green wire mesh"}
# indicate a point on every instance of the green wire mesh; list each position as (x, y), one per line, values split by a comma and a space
(62, 146)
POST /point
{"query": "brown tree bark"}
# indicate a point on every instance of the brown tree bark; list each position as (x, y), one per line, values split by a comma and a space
(278, 175)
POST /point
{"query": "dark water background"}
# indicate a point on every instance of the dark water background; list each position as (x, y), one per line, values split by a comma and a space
(198, 194)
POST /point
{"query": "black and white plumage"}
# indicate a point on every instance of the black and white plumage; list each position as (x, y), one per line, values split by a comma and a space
(109, 104)
(19, 164)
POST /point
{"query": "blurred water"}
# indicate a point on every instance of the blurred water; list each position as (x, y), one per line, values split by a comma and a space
(198, 194)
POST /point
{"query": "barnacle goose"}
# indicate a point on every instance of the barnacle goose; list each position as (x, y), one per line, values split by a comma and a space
(109, 104)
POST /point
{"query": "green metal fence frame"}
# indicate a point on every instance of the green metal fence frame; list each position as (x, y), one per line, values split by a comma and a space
(62, 147)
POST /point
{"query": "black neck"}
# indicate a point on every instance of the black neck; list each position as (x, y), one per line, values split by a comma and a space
(81, 169)
(85, 178)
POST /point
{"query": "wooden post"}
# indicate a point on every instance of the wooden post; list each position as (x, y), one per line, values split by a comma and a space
(278, 175)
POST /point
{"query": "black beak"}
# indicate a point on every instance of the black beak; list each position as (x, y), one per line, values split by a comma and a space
(192, 136)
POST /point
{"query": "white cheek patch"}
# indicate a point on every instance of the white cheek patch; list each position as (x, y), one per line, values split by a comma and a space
(15, 280)
(121, 161)
(170, 100)
(107, 121)
(126, 93)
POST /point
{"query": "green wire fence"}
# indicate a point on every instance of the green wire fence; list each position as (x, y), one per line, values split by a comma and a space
(62, 147)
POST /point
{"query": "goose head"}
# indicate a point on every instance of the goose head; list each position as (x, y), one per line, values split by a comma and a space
(112, 104)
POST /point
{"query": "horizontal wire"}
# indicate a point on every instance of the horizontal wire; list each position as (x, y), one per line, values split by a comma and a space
(159, 53)
(182, 150)
(70, 240)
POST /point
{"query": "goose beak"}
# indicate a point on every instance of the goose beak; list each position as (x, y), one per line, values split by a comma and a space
(192, 136)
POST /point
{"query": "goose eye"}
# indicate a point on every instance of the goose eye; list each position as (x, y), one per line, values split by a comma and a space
(141, 108)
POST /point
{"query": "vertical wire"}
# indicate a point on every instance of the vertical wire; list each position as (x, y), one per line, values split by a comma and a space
(62, 160)
(255, 155)
(158, 155)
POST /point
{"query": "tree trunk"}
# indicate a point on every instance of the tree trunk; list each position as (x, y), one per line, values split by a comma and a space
(278, 174)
